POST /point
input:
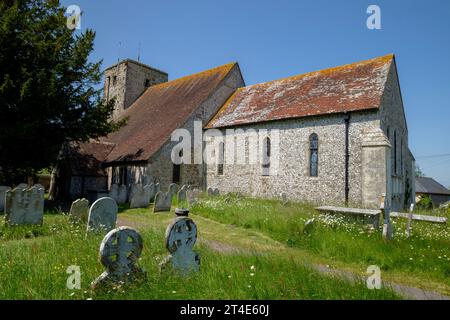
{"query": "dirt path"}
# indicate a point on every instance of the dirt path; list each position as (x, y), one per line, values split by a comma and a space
(231, 240)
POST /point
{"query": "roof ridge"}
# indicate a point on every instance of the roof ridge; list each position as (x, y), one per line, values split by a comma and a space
(384, 58)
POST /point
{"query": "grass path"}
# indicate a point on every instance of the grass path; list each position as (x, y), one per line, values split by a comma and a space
(228, 239)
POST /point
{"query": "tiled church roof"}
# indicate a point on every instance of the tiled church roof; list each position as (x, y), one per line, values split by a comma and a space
(353, 87)
(160, 110)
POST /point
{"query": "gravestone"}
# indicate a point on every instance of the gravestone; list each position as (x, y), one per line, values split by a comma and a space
(213, 192)
(24, 206)
(3, 190)
(192, 196)
(151, 188)
(140, 197)
(181, 236)
(79, 210)
(182, 197)
(22, 186)
(102, 215)
(173, 189)
(309, 226)
(114, 192)
(386, 211)
(119, 254)
(123, 194)
(163, 202)
(284, 199)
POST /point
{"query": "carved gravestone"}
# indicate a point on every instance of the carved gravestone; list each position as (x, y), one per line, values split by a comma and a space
(79, 210)
(284, 199)
(119, 254)
(182, 197)
(114, 192)
(173, 189)
(102, 215)
(213, 192)
(192, 196)
(123, 194)
(181, 236)
(24, 206)
(3, 190)
(163, 202)
(140, 197)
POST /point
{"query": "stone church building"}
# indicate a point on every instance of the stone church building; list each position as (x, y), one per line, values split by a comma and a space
(342, 135)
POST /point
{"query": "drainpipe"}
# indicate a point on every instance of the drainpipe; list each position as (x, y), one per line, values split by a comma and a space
(347, 155)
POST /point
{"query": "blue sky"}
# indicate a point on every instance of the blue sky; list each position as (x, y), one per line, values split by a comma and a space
(275, 39)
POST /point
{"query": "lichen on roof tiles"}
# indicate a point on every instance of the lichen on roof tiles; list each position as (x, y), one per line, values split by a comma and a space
(352, 87)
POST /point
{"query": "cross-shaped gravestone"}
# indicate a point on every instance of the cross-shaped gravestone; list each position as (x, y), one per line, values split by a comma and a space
(119, 254)
(181, 236)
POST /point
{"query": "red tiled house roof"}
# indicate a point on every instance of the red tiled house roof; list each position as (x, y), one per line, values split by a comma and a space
(352, 87)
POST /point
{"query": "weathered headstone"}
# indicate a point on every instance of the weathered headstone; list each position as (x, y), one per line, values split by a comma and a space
(24, 206)
(182, 197)
(102, 215)
(79, 210)
(192, 196)
(181, 236)
(114, 192)
(284, 199)
(123, 194)
(173, 189)
(163, 202)
(309, 226)
(140, 197)
(386, 210)
(213, 192)
(3, 190)
(119, 254)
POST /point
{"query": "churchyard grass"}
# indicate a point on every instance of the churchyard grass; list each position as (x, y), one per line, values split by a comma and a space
(34, 260)
(422, 260)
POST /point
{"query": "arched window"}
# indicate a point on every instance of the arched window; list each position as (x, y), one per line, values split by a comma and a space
(313, 155)
(221, 159)
(266, 156)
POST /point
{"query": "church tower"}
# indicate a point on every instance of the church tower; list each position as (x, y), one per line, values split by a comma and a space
(127, 80)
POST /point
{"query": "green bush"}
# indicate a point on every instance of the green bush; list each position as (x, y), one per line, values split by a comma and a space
(425, 203)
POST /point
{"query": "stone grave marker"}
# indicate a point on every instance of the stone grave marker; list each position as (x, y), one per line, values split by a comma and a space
(173, 189)
(3, 190)
(163, 202)
(386, 210)
(79, 210)
(181, 236)
(102, 215)
(123, 194)
(192, 196)
(284, 199)
(182, 197)
(213, 192)
(22, 186)
(114, 192)
(140, 197)
(24, 206)
(119, 254)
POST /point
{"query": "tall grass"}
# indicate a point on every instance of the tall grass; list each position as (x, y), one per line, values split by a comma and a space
(34, 260)
(424, 257)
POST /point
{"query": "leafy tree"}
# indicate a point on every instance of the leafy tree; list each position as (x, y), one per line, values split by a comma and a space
(48, 92)
(425, 203)
(419, 172)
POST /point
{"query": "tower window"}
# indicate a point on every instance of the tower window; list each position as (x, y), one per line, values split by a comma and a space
(114, 80)
(147, 83)
(313, 155)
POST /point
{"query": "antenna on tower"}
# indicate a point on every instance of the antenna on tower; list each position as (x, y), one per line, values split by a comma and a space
(139, 52)
(118, 52)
